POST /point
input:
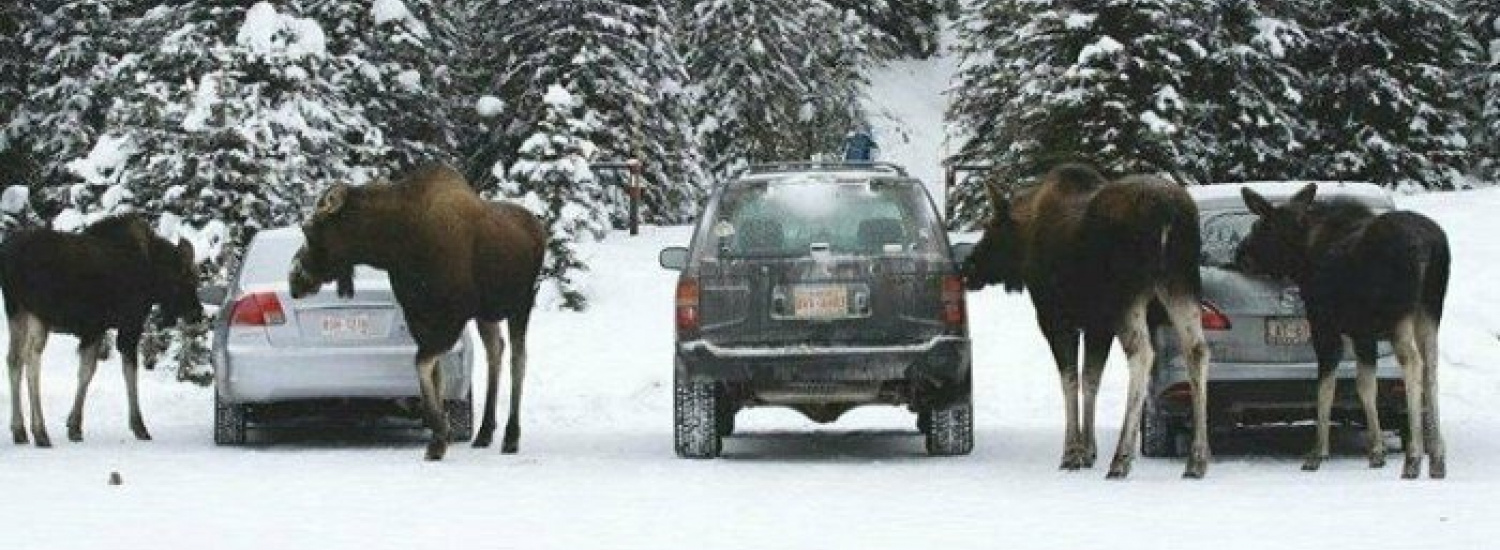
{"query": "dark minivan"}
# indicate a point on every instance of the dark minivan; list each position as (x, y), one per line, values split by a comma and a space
(820, 287)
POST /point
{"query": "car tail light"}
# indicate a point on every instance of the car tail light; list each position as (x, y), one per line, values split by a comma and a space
(1181, 392)
(258, 309)
(687, 306)
(1213, 319)
(954, 313)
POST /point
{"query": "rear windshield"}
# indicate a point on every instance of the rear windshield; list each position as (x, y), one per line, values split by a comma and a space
(792, 218)
(269, 260)
(1224, 229)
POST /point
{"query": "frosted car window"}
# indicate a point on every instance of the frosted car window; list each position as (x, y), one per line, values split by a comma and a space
(269, 259)
(788, 220)
(1222, 234)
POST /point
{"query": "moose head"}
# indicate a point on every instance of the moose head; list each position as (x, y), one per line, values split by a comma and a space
(998, 257)
(175, 280)
(325, 255)
(1277, 245)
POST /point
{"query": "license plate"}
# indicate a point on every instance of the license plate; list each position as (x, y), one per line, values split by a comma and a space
(1288, 331)
(347, 327)
(820, 301)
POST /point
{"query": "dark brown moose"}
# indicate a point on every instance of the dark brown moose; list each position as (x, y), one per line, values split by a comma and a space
(1368, 277)
(1095, 256)
(84, 284)
(452, 257)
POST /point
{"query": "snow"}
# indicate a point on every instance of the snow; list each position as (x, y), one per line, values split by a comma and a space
(204, 99)
(1157, 124)
(104, 161)
(559, 96)
(410, 79)
(15, 199)
(489, 106)
(1104, 47)
(267, 32)
(385, 11)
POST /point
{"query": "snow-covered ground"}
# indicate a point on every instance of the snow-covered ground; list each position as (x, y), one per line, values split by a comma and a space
(596, 468)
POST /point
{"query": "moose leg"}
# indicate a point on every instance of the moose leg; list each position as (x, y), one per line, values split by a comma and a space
(1136, 341)
(88, 360)
(129, 345)
(1329, 347)
(1364, 353)
(1186, 317)
(20, 343)
(1064, 344)
(428, 377)
(494, 347)
(1095, 352)
(36, 338)
(1427, 332)
(1404, 339)
(517, 326)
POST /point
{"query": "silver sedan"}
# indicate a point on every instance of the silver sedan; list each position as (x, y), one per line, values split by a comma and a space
(1264, 369)
(279, 360)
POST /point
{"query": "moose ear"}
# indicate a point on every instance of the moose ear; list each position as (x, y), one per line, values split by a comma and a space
(998, 200)
(1257, 204)
(332, 200)
(185, 249)
(1306, 195)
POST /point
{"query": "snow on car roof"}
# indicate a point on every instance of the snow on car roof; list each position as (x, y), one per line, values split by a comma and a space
(1227, 195)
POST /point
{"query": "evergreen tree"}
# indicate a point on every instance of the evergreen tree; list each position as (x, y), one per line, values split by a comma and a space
(1247, 96)
(899, 27)
(16, 20)
(1099, 80)
(552, 177)
(619, 60)
(1387, 95)
(1484, 21)
(789, 88)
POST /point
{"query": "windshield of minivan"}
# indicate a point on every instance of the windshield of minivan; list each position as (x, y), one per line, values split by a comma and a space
(795, 216)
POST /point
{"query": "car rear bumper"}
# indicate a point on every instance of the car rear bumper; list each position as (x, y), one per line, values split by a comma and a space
(943, 358)
(1258, 393)
(264, 374)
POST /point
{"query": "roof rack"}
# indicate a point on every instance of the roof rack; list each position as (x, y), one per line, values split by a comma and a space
(821, 166)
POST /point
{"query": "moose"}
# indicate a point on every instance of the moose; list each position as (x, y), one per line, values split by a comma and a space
(452, 257)
(109, 276)
(1097, 256)
(1368, 277)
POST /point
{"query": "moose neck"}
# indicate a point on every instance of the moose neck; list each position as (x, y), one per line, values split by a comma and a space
(1331, 227)
(379, 234)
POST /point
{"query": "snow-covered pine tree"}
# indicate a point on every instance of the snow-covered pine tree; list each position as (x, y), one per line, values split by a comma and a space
(905, 28)
(1387, 91)
(618, 59)
(554, 179)
(787, 90)
(78, 47)
(397, 53)
(16, 19)
(1247, 95)
(1484, 21)
(1096, 80)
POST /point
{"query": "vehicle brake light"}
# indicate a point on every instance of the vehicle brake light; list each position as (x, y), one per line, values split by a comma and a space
(1181, 392)
(258, 309)
(1213, 319)
(687, 306)
(954, 313)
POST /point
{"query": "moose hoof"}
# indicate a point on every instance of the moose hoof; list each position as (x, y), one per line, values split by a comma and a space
(1073, 459)
(1120, 468)
(1377, 460)
(510, 447)
(141, 433)
(1412, 469)
(484, 437)
(1438, 468)
(18, 435)
(436, 450)
(1196, 468)
(42, 440)
(1313, 463)
(75, 435)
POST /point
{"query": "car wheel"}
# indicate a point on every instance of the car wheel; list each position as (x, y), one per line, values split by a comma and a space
(924, 421)
(726, 418)
(460, 419)
(229, 422)
(950, 427)
(1159, 438)
(696, 413)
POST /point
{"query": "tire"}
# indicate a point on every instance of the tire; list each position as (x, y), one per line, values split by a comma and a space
(230, 423)
(460, 419)
(950, 427)
(696, 413)
(1159, 435)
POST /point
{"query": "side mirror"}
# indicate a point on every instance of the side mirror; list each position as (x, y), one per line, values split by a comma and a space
(674, 258)
(961, 252)
(212, 294)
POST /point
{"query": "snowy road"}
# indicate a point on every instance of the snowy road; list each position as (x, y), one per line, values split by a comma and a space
(596, 467)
